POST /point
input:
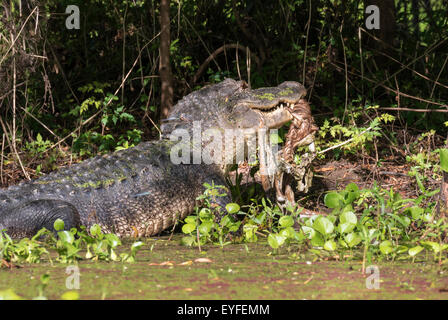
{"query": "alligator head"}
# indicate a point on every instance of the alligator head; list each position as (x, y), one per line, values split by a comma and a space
(232, 105)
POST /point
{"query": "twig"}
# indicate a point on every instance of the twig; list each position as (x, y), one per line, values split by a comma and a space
(218, 51)
(346, 74)
(414, 110)
(17, 37)
(308, 26)
(14, 150)
(107, 104)
(1, 160)
(343, 143)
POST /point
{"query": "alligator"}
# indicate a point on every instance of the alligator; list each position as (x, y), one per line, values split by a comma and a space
(141, 191)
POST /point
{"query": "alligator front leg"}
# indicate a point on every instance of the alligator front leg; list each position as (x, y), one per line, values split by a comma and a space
(27, 219)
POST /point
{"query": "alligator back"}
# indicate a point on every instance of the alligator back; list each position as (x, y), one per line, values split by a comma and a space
(137, 191)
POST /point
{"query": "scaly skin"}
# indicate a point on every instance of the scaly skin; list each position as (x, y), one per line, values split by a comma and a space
(140, 191)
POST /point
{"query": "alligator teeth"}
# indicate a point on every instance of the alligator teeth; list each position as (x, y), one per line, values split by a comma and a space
(292, 106)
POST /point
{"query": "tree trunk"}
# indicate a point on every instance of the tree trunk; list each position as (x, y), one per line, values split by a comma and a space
(164, 66)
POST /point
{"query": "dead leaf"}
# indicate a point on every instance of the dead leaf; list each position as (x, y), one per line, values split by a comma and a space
(203, 260)
(186, 263)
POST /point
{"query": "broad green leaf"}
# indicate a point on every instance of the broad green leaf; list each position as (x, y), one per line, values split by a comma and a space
(346, 227)
(444, 159)
(349, 217)
(205, 214)
(415, 250)
(434, 246)
(330, 245)
(386, 247)
(232, 208)
(205, 227)
(136, 246)
(190, 220)
(113, 240)
(352, 239)
(188, 228)
(323, 225)
(66, 236)
(352, 193)
(317, 240)
(333, 200)
(58, 225)
(276, 240)
(95, 230)
(286, 221)
(289, 233)
(308, 232)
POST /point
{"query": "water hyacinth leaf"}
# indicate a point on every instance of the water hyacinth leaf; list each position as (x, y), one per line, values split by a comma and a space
(95, 230)
(113, 240)
(346, 227)
(317, 240)
(434, 246)
(415, 250)
(190, 220)
(323, 225)
(66, 236)
(205, 227)
(286, 221)
(352, 239)
(308, 232)
(205, 214)
(342, 243)
(136, 246)
(232, 208)
(386, 247)
(188, 228)
(330, 245)
(348, 217)
(333, 200)
(225, 221)
(352, 193)
(276, 240)
(58, 225)
(444, 159)
(289, 233)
